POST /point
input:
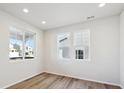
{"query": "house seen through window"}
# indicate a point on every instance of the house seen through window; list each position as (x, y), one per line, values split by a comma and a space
(22, 44)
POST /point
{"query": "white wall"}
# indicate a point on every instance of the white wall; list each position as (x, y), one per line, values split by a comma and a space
(104, 65)
(13, 72)
(122, 49)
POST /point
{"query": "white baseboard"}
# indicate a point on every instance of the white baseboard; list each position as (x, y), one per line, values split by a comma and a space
(84, 78)
(122, 86)
(20, 80)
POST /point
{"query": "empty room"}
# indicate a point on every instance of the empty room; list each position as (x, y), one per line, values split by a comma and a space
(61, 45)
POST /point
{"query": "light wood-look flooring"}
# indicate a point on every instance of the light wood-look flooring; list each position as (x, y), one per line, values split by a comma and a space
(52, 81)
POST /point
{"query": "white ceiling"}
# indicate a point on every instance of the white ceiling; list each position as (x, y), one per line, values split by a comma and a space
(57, 15)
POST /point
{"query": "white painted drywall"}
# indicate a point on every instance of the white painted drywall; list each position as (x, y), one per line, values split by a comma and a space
(122, 49)
(104, 64)
(103, 67)
(13, 72)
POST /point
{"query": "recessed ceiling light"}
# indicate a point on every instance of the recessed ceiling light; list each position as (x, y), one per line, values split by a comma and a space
(101, 4)
(25, 10)
(43, 22)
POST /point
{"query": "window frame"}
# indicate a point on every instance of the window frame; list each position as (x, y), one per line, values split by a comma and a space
(23, 31)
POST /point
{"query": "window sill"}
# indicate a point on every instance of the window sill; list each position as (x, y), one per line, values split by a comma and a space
(20, 60)
(16, 61)
(82, 59)
(65, 59)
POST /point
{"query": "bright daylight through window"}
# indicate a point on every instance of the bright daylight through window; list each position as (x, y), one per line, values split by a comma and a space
(63, 45)
(76, 44)
(22, 44)
(82, 44)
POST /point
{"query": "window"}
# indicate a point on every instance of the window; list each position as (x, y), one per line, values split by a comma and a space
(63, 42)
(22, 44)
(82, 45)
(77, 44)
(29, 45)
(16, 44)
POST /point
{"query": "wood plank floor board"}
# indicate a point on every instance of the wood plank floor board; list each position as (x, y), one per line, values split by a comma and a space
(52, 81)
(61, 83)
(78, 84)
(29, 82)
(36, 81)
(45, 83)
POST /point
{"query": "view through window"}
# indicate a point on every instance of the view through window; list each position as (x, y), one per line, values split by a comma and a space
(75, 43)
(63, 46)
(22, 44)
(82, 44)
